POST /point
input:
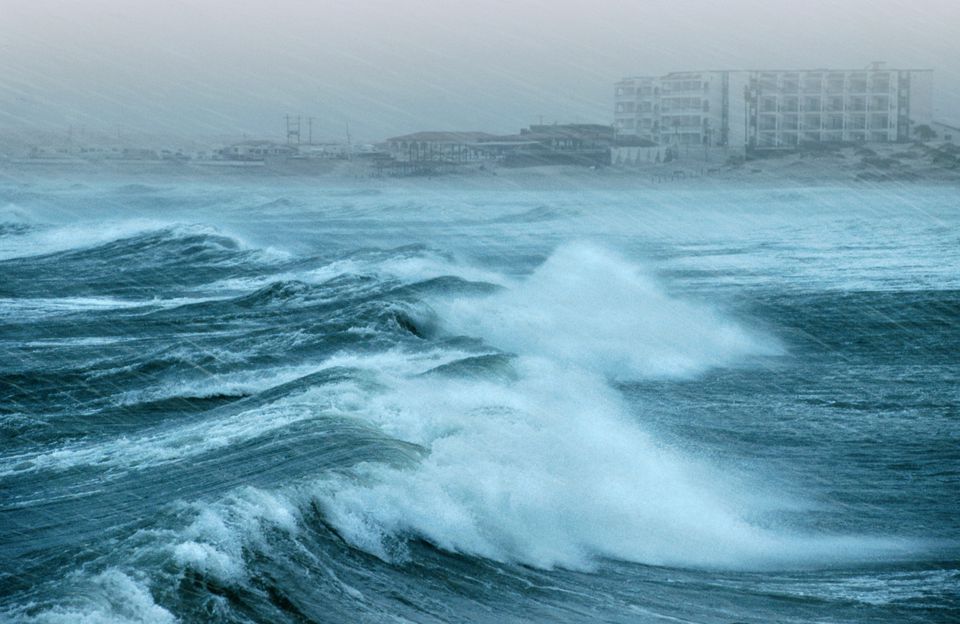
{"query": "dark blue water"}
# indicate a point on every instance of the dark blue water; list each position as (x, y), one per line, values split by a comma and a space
(279, 403)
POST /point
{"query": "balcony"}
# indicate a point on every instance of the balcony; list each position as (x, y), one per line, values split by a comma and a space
(857, 122)
(833, 122)
(835, 83)
(879, 122)
(811, 122)
(834, 104)
(857, 103)
(880, 83)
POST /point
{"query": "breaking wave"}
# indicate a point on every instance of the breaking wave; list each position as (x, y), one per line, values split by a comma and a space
(539, 461)
(327, 426)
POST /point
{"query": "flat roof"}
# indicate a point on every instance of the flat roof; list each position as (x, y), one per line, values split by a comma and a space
(761, 71)
(443, 136)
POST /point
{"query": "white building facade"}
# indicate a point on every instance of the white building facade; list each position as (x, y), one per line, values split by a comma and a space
(754, 109)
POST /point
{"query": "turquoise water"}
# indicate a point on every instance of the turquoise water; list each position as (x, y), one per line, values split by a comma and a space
(273, 402)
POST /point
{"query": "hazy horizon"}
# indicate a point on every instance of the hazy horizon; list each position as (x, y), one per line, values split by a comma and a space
(214, 68)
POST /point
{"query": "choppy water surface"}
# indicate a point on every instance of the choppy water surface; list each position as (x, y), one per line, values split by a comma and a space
(280, 403)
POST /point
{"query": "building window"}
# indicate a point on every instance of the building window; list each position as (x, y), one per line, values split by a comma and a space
(879, 103)
(878, 121)
(835, 83)
(812, 83)
(834, 104)
(682, 85)
(880, 82)
(811, 122)
(857, 137)
(790, 104)
(879, 137)
(856, 103)
(768, 122)
(811, 103)
(858, 83)
(857, 122)
(768, 82)
(790, 122)
(682, 121)
(768, 104)
(681, 104)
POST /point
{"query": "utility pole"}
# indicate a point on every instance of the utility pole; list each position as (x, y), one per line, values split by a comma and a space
(293, 129)
(310, 130)
(349, 145)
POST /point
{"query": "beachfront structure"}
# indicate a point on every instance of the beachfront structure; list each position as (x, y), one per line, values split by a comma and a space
(539, 144)
(943, 131)
(255, 150)
(774, 109)
(439, 146)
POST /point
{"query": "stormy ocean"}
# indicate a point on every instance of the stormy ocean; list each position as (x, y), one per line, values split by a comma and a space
(273, 402)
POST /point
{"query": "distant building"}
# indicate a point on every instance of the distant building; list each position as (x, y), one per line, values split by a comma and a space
(774, 109)
(324, 151)
(945, 131)
(256, 150)
(139, 153)
(538, 144)
(560, 144)
(437, 146)
(570, 137)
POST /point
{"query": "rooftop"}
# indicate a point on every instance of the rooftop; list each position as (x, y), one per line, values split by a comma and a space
(445, 137)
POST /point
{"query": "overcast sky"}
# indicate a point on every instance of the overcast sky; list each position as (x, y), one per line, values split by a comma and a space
(387, 67)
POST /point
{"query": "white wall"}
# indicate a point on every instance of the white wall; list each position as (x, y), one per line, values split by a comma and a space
(739, 80)
(921, 97)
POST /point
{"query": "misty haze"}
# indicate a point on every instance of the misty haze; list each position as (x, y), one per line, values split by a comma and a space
(479, 312)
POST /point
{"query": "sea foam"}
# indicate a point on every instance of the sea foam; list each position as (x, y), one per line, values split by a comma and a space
(550, 467)
(589, 307)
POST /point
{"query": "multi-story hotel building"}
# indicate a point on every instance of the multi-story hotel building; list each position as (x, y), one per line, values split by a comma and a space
(774, 109)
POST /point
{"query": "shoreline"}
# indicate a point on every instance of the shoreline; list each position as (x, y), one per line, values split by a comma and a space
(881, 165)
